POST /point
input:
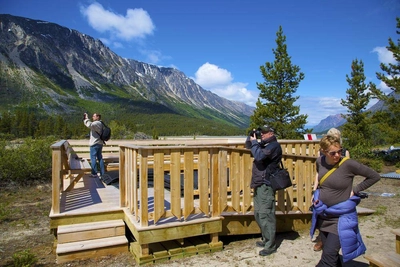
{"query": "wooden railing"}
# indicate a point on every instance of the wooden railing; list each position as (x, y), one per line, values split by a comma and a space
(203, 177)
(205, 181)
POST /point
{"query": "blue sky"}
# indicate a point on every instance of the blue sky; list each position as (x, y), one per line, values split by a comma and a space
(222, 44)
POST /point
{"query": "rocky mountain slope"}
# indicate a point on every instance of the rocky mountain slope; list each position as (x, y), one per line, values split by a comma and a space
(59, 70)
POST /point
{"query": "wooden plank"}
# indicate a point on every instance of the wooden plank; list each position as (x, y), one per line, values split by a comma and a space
(94, 248)
(57, 177)
(79, 164)
(143, 186)
(387, 259)
(179, 230)
(158, 179)
(188, 184)
(214, 184)
(234, 175)
(397, 233)
(175, 183)
(91, 244)
(133, 176)
(89, 231)
(223, 179)
(245, 176)
(160, 253)
(203, 181)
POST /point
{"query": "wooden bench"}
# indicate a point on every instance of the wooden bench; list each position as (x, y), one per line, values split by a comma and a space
(386, 259)
(110, 153)
(74, 166)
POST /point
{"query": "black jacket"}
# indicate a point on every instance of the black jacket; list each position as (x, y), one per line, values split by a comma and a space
(267, 157)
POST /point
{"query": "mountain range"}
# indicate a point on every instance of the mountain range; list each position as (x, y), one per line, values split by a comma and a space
(337, 120)
(61, 71)
(58, 70)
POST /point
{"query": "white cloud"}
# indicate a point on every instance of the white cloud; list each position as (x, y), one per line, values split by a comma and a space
(135, 24)
(384, 55)
(220, 82)
(210, 75)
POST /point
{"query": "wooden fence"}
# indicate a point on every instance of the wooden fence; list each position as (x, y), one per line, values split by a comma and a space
(205, 181)
(204, 177)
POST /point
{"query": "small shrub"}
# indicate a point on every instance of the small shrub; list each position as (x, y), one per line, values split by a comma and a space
(380, 210)
(5, 212)
(26, 161)
(373, 163)
(24, 259)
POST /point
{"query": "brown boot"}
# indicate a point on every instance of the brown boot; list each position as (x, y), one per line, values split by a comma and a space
(318, 246)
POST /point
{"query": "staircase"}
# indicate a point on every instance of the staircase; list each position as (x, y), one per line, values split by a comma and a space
(90, 240)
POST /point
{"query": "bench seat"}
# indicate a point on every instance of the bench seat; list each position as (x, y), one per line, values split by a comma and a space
(79, 164)
(387, 259)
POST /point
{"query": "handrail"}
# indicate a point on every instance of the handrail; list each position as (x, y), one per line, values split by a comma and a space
(212, 177)
(220, 174)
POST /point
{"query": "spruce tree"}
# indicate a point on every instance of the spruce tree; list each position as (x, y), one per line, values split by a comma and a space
(275, 105)
(356, 131)
(388, 120)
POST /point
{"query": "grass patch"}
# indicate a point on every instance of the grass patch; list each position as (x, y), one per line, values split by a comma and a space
(380, 210)
(393, 221)
(24, 258)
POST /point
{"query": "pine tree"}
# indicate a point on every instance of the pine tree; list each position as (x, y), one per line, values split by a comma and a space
(389, 120)
(356, 131)
(275, 105)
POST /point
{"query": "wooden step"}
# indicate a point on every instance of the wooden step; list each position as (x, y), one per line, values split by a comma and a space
(90, 231)
(387, 259)
(91, 248)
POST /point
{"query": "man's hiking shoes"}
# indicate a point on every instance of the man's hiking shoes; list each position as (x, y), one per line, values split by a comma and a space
(266, 252)
(260, 244)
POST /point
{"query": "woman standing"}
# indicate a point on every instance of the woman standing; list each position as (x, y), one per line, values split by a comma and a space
(335, 202)
(345, 153)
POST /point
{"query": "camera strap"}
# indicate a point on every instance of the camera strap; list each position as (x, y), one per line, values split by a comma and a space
(332, 170)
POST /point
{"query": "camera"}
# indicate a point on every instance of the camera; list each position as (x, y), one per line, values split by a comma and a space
(362, 195)
(84, 115)
(256, 132)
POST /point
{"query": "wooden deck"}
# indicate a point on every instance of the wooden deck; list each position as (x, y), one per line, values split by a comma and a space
(170, 197)
(91, 197)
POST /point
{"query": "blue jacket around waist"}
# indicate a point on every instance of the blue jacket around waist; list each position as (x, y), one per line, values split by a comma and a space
(349, 233)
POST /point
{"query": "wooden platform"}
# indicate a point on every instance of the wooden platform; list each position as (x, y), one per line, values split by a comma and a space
(93, 201)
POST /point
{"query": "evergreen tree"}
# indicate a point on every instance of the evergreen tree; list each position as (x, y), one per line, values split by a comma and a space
(5, 122)
(389, 120)
(357, 130)
(275, 105)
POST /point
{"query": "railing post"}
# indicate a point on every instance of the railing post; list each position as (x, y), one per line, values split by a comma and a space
(57, 175)
(214, 184)
(123, 177)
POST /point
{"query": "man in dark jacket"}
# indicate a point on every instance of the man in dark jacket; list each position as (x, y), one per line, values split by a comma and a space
(267, 156)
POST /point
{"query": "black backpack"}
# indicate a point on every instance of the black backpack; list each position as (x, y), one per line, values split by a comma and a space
(105, 133)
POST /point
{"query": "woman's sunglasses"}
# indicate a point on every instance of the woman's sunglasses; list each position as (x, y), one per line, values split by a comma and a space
(333, 153)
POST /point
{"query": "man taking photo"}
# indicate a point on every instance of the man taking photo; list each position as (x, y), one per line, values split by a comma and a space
(267, 156)
(95, 143)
